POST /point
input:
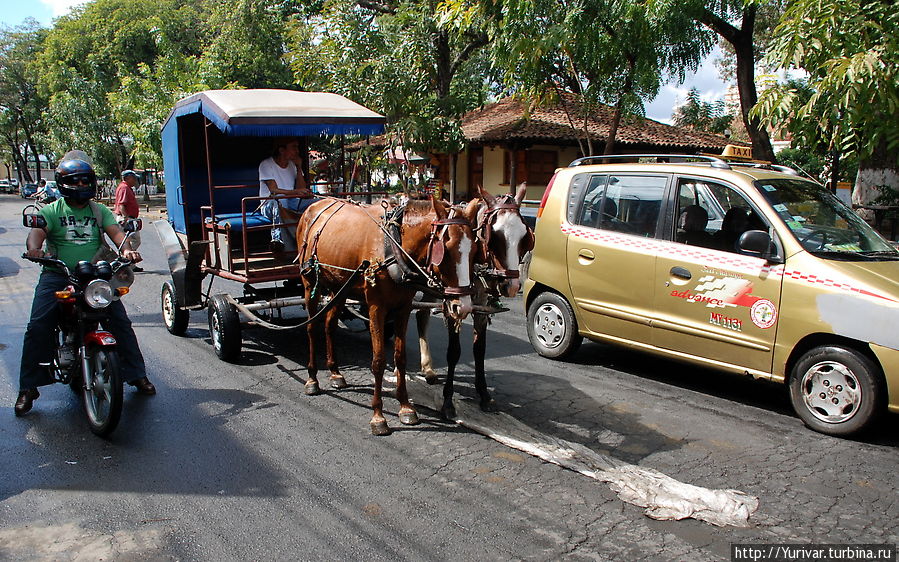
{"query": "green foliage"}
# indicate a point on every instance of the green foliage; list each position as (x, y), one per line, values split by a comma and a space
(605, 51)
(850, 51)
(402, 60)
(246, 40)
(702, 115)
(21, 105)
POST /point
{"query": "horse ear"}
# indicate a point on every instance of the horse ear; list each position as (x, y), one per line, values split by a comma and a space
(483, 194)
(471, 210)
(521, 192)
(439, 208)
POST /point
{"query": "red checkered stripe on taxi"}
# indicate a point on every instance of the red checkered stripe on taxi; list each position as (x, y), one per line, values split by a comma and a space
(713, 259)
(813, 279)
(695, 253)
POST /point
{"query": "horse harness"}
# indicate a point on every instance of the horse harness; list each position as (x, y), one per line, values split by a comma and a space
(406, 271)
(401, 267)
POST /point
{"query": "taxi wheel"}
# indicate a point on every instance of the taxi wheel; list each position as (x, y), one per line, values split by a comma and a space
(836, 390)
(552, 327)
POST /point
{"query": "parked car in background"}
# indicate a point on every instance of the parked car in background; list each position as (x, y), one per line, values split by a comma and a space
(5, 186)
(28, 190)
(735, 265)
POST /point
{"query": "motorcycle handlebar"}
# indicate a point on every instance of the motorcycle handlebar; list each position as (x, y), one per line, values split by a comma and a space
(121, 261)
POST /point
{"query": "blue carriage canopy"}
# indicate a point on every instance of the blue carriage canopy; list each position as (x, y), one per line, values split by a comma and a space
(277, 113)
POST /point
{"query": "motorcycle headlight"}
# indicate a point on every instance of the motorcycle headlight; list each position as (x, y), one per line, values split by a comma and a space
(98, 293)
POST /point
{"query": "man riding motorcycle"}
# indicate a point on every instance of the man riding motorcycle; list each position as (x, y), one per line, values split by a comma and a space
(72, 234)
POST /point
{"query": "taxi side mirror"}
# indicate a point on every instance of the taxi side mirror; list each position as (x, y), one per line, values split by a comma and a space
(34, 220)
(758, 243)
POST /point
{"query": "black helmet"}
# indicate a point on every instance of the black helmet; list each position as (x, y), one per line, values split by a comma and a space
(76, 179)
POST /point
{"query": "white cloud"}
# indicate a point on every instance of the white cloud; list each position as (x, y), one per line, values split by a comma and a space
(61, 7)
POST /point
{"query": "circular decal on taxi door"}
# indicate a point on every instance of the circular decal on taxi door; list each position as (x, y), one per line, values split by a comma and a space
(763, 313)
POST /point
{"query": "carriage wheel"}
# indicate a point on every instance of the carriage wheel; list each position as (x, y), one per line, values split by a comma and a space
(174, 318)
(224, 328)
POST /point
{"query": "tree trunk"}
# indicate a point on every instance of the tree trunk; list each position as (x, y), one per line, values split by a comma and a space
(742, 41)
(874, 173)
(613, 130)
(761, 142)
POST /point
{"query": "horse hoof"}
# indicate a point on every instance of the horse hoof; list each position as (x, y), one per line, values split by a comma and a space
(489, 406)
(311, 387)
(431, 377)
(379, 428)
(448, 413)
(338, 382)
(409, 417)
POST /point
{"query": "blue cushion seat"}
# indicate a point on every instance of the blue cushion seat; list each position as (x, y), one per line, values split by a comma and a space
(236, 223)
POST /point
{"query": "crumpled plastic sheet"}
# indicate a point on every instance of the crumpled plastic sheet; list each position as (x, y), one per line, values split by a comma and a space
(661, 496)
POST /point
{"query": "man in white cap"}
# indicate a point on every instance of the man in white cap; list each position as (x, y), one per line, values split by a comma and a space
(126, 206)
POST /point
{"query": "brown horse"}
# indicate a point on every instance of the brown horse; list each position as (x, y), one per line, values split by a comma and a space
(382, 262)
(503, 240)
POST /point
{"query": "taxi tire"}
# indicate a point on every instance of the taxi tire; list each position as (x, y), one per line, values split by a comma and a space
(562, 317)
(844, 364)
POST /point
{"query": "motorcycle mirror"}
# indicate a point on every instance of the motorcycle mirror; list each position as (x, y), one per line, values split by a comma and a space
(133, 225)
(34, 220)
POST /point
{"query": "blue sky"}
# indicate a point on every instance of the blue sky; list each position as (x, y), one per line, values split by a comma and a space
(13, 12)
(706, 80)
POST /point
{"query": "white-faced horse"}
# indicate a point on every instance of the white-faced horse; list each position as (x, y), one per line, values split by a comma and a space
(503, 240)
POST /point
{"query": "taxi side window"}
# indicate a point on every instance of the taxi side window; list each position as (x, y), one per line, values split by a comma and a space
(623, 203)
(713, 215)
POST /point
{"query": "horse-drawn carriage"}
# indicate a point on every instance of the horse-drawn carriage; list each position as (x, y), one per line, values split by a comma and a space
(376, 256)
(213, 143)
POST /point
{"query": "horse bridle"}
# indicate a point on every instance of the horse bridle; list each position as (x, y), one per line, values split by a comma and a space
(484, 231)
(426, 279)
(436, 249)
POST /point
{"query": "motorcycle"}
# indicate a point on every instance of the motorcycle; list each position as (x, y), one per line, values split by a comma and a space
(85, 357)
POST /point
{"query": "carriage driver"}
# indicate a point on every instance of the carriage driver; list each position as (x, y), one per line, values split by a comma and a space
(281, 174)
(73, 236)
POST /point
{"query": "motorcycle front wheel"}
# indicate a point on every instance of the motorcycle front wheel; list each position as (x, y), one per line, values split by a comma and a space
(102, 391)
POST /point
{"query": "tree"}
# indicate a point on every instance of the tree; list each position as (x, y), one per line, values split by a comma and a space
(720, 16)
(21, 105)
(402, 59)
(851, 55)
(87, 57)
(246, 43)
(702, 115)
(604, 51)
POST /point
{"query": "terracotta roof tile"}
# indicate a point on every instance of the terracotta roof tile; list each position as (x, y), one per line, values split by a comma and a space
(504, 122)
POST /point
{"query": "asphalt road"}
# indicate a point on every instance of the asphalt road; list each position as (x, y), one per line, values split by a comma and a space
(234, 462)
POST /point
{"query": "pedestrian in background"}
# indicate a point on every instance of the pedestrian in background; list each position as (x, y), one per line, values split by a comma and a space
(126, 206)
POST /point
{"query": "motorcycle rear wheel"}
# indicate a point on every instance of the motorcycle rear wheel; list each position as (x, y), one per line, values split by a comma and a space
(102, 391)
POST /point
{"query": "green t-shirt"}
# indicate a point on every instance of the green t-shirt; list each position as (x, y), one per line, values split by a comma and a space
(72, 234)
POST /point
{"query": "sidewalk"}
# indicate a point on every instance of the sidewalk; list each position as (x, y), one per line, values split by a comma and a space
(154, 210)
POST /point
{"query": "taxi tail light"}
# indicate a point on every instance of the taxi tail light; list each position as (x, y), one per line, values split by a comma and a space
(549, 187)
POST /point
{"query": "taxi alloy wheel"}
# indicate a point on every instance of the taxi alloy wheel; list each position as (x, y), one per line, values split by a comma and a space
(552, 327)
(836, 390)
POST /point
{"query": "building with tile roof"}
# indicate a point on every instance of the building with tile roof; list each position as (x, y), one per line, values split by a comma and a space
(507, 144)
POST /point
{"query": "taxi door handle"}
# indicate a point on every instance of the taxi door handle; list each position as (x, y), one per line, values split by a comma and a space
(681, 272)
(586, 254)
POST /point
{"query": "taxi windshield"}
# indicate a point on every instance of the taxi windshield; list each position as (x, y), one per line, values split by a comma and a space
(822, 223)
